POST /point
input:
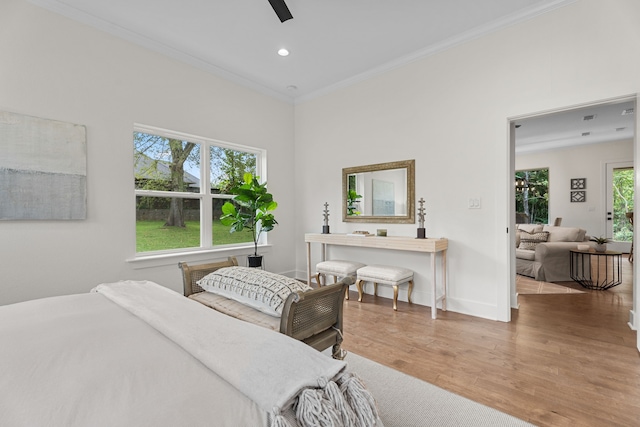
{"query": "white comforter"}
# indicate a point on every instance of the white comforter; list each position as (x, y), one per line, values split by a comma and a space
(153, 358)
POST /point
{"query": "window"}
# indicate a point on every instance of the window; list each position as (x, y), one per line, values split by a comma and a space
(532, 196)
(181, 183)
(622, 192)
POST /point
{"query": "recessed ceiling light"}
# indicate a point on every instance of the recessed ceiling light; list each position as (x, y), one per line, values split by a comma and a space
(292, 87)
(283, 52)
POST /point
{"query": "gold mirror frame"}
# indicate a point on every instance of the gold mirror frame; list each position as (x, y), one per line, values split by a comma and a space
(409, 218)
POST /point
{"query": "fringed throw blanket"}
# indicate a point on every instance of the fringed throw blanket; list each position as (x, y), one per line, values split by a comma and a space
(275, 371)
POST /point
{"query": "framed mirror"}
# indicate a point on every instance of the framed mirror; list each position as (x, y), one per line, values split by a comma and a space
(384, 192)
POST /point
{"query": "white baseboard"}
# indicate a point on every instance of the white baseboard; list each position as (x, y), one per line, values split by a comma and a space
(632, 320)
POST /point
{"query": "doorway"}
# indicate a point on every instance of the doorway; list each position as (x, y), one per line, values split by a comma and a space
(569, 128)
(620, 191)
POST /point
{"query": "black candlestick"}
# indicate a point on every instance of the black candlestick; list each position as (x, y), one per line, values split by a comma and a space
(325, 227)
(422, 232)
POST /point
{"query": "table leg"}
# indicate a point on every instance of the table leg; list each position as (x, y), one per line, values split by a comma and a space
(434, 287)
(309, 263)
(444, 280)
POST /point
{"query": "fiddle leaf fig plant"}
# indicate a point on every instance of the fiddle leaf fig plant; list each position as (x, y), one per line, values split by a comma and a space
(352, 198)
(255, 206)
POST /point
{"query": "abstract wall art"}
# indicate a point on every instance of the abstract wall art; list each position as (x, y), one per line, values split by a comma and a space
(43, 169)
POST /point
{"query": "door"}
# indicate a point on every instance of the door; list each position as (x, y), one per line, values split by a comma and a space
(620, 189)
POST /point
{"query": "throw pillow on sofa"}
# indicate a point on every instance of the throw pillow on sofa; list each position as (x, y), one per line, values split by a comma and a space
(530, 240)
(565, 234)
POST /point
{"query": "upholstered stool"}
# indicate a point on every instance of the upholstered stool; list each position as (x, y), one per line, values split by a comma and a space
(338, 269)
(386, 275)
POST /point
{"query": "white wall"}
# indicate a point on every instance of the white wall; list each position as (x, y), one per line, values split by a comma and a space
(585, 161)
(55, 68)
(450, 112)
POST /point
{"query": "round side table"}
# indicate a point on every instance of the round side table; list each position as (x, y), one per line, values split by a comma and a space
(596, 270)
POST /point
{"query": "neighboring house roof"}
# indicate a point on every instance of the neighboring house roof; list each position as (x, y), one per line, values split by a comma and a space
(148, 168)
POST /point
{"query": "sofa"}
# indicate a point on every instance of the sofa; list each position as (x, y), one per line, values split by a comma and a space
(542, 251)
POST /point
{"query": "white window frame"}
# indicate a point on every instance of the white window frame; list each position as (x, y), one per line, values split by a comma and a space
(205, 196)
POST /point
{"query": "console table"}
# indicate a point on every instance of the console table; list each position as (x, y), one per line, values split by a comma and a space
(398, 243)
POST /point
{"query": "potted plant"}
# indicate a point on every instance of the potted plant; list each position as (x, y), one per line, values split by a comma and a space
(352, 198)
(254, 213)
(601, 243)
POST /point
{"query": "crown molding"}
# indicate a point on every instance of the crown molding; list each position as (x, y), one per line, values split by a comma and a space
(138, 39)
(473, 34)
(145, 42)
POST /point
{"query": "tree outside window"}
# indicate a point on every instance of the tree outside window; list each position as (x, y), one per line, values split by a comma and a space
(174, 210)
(532, 195)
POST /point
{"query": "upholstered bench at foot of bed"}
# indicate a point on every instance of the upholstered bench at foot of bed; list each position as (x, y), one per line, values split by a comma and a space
(313, 317)
(237, 310)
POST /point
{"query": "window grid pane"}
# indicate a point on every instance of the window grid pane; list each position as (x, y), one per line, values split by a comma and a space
(152, 231)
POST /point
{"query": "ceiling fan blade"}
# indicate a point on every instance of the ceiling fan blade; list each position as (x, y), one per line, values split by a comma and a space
(281, 9)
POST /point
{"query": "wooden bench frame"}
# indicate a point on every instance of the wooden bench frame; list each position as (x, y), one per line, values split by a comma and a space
(313, 317)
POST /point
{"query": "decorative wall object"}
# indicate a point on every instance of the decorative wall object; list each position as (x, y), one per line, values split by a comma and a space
(578, 196)
(43, 169)
(578, 183)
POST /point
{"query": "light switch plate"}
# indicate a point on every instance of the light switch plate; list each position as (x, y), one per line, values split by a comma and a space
(475, 203)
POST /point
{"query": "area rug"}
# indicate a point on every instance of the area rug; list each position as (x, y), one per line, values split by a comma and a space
(527, 285)
(406, 401)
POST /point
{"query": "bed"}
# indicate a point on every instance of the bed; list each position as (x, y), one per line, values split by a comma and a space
(311, 316)
(134, 353)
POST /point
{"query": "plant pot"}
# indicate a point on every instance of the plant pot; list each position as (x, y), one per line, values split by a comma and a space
(602, 247)
(255, 261)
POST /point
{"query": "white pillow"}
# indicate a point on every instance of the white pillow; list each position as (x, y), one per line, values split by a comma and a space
(259, 289)
(529, 241)
(529, 228)
(565, 234)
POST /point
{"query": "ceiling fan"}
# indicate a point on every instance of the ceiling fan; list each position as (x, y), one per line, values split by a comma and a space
(281, 9)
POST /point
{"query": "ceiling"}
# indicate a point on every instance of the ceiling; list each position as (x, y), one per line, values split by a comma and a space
(604, 122)
(332, 44)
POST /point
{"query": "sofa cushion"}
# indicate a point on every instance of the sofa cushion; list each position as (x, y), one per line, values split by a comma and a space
(526, 254)
(531, 240)
(529, 228)
(565, 234)
(237, 309)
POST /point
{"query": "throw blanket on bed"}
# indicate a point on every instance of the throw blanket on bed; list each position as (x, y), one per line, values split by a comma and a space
(273, 370)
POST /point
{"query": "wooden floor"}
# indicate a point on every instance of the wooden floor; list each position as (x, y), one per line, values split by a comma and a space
(564, 360)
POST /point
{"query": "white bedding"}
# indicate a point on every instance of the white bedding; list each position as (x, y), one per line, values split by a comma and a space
(81, 360)
(154, 358)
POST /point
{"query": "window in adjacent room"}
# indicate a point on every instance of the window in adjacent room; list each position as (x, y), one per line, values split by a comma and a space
(181, 182)
(532, 196)
(622, 190)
